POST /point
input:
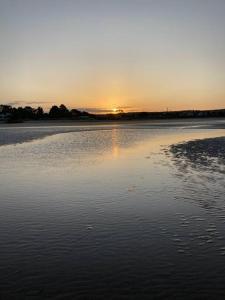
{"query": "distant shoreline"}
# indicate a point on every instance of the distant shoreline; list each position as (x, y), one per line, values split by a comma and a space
(210, 123)
(16, 115)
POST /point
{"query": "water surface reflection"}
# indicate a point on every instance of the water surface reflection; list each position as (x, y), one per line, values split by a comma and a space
(106, 214)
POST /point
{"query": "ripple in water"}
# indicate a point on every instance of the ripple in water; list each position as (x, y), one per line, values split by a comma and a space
(123, 227)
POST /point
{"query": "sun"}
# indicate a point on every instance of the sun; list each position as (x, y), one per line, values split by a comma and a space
(116, 110)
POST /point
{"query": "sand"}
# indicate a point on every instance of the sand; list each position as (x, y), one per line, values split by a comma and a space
(206, 153)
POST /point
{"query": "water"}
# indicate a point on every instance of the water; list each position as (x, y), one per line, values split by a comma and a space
(109, 212)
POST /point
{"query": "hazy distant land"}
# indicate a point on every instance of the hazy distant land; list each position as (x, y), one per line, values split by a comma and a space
(9, 114)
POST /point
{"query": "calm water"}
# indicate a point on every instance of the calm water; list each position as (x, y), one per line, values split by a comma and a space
(109, 213)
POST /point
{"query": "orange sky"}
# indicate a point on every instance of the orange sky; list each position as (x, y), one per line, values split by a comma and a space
(98, 55)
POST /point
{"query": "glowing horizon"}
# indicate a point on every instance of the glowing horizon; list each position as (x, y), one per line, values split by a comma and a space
(134, 55)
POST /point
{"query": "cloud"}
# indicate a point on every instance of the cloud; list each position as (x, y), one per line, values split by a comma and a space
(124, 107)
(97, 110)
(17, 103)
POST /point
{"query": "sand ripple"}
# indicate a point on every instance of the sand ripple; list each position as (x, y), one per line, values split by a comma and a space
(201, 154)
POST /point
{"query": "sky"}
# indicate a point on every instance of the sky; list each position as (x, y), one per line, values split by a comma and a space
(97, 55)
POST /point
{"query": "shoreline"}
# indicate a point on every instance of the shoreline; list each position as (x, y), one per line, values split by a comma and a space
(32, 130)
(209, 123)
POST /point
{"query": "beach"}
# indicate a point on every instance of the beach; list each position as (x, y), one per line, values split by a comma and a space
(118, 210)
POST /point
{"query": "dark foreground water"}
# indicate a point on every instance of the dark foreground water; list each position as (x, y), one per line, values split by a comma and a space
(111, 213)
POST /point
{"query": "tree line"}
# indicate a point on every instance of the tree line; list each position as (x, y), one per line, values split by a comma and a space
(19, 114)
(30, 113)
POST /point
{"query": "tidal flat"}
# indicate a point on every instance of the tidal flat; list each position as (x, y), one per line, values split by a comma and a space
(132, 210)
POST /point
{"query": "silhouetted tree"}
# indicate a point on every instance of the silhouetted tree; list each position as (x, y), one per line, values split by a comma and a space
(54, 112)
(59, 112)
(39, 112)
(64, 112)
(6, 109)
(14, 114)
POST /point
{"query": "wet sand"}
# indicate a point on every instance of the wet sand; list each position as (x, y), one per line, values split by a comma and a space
(209, 123)
(105, 214)
(204, 153)
(31, 130)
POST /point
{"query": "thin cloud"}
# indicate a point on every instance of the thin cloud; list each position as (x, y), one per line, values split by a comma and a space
(17, 103)
(97, 110)
(124, 107)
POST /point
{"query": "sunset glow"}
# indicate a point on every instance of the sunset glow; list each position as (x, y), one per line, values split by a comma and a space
(148, 55)
(112, 149)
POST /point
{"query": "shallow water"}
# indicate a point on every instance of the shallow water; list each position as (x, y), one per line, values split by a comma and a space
(109, 213)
